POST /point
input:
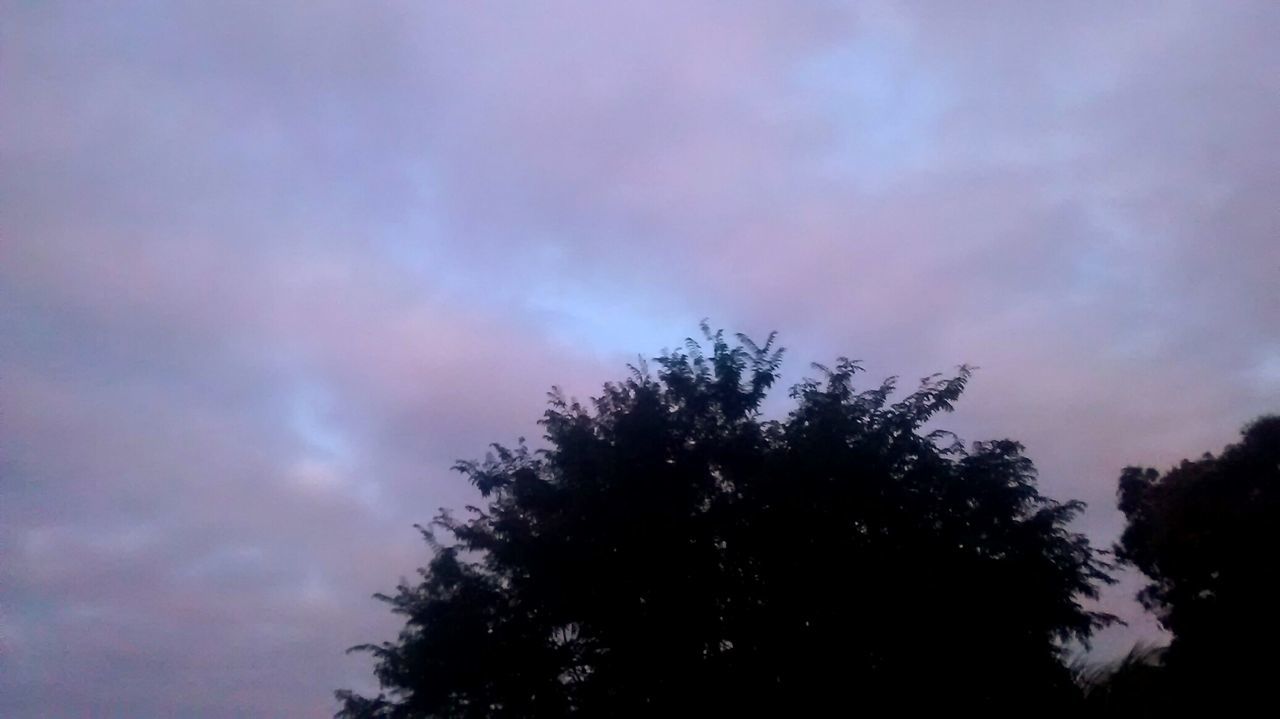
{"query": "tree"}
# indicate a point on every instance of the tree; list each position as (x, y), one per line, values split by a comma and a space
(672, 552)
(1135, 686)
(1206, 535)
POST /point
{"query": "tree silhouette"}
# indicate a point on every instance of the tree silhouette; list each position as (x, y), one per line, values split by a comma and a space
(672, 552)
(1135, 687)
(1207, 535)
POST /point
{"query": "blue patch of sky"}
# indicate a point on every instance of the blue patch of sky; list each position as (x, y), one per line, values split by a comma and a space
(883, 108)
(412, 239)
(599, 315)
(311, 420)
(1266, 370)
(608, 321)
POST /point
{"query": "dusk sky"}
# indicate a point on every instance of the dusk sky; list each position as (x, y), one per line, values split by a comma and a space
(267, 269)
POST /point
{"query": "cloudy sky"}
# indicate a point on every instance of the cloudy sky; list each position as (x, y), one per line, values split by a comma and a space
(268, 268)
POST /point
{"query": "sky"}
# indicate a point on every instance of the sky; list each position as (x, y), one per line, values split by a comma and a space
(268, 269)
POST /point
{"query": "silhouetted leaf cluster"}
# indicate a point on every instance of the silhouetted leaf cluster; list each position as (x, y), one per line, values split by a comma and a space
(1207, 534)
(674, 553)
(1135, 687)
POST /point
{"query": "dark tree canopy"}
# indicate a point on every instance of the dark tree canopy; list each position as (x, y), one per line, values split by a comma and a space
(1207, 535)
(673, 553)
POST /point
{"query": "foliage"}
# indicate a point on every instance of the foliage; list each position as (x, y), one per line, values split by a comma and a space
(673, 552)
(1205, 534)
(1136, 686)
